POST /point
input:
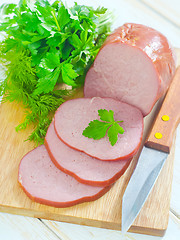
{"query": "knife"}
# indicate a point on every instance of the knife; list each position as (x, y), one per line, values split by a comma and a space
(153, 155)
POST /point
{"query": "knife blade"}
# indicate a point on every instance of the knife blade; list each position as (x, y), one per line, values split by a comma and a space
(153, 155)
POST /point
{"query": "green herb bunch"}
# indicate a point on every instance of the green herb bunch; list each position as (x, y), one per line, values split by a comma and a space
(47, 45)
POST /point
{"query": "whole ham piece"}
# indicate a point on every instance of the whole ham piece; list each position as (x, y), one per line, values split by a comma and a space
(84, 168)
(135, 65)
(46, 184)
(73, 116)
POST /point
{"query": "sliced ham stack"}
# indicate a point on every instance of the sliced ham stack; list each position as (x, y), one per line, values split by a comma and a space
(135, 65)
(59, 175)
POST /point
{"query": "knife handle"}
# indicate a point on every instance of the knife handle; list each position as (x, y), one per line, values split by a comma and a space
(162, 132)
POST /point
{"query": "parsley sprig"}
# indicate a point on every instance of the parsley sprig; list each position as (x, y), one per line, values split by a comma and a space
(47, 45)
(97, 129)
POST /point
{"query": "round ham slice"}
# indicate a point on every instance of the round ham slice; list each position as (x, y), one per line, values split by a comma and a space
(46, 184)
(135, 65)
(85, 169)
(73, 116)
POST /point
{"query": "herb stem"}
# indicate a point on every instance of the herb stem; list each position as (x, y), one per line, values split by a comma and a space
(56, 21)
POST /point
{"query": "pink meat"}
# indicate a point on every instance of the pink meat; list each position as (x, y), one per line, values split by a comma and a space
(135, 65)
(73, 116)
(46, 184)
(84, 168)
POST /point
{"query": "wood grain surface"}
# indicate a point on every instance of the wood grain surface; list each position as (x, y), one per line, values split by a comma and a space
(104, 212)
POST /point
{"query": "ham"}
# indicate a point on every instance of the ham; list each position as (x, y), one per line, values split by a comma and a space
(131, 72)
(135, 65)
(85, 169)
(73, 116)
(44, 183)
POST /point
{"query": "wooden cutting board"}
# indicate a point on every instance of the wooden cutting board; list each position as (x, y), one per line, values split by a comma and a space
(104, 212)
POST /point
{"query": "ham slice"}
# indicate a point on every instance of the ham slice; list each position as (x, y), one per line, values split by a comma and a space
(73, 116)
(135, 65)
(46, 184)
(84, 168)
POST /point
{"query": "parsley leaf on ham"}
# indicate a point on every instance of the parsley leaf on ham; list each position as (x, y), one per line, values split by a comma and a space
(97, 129)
